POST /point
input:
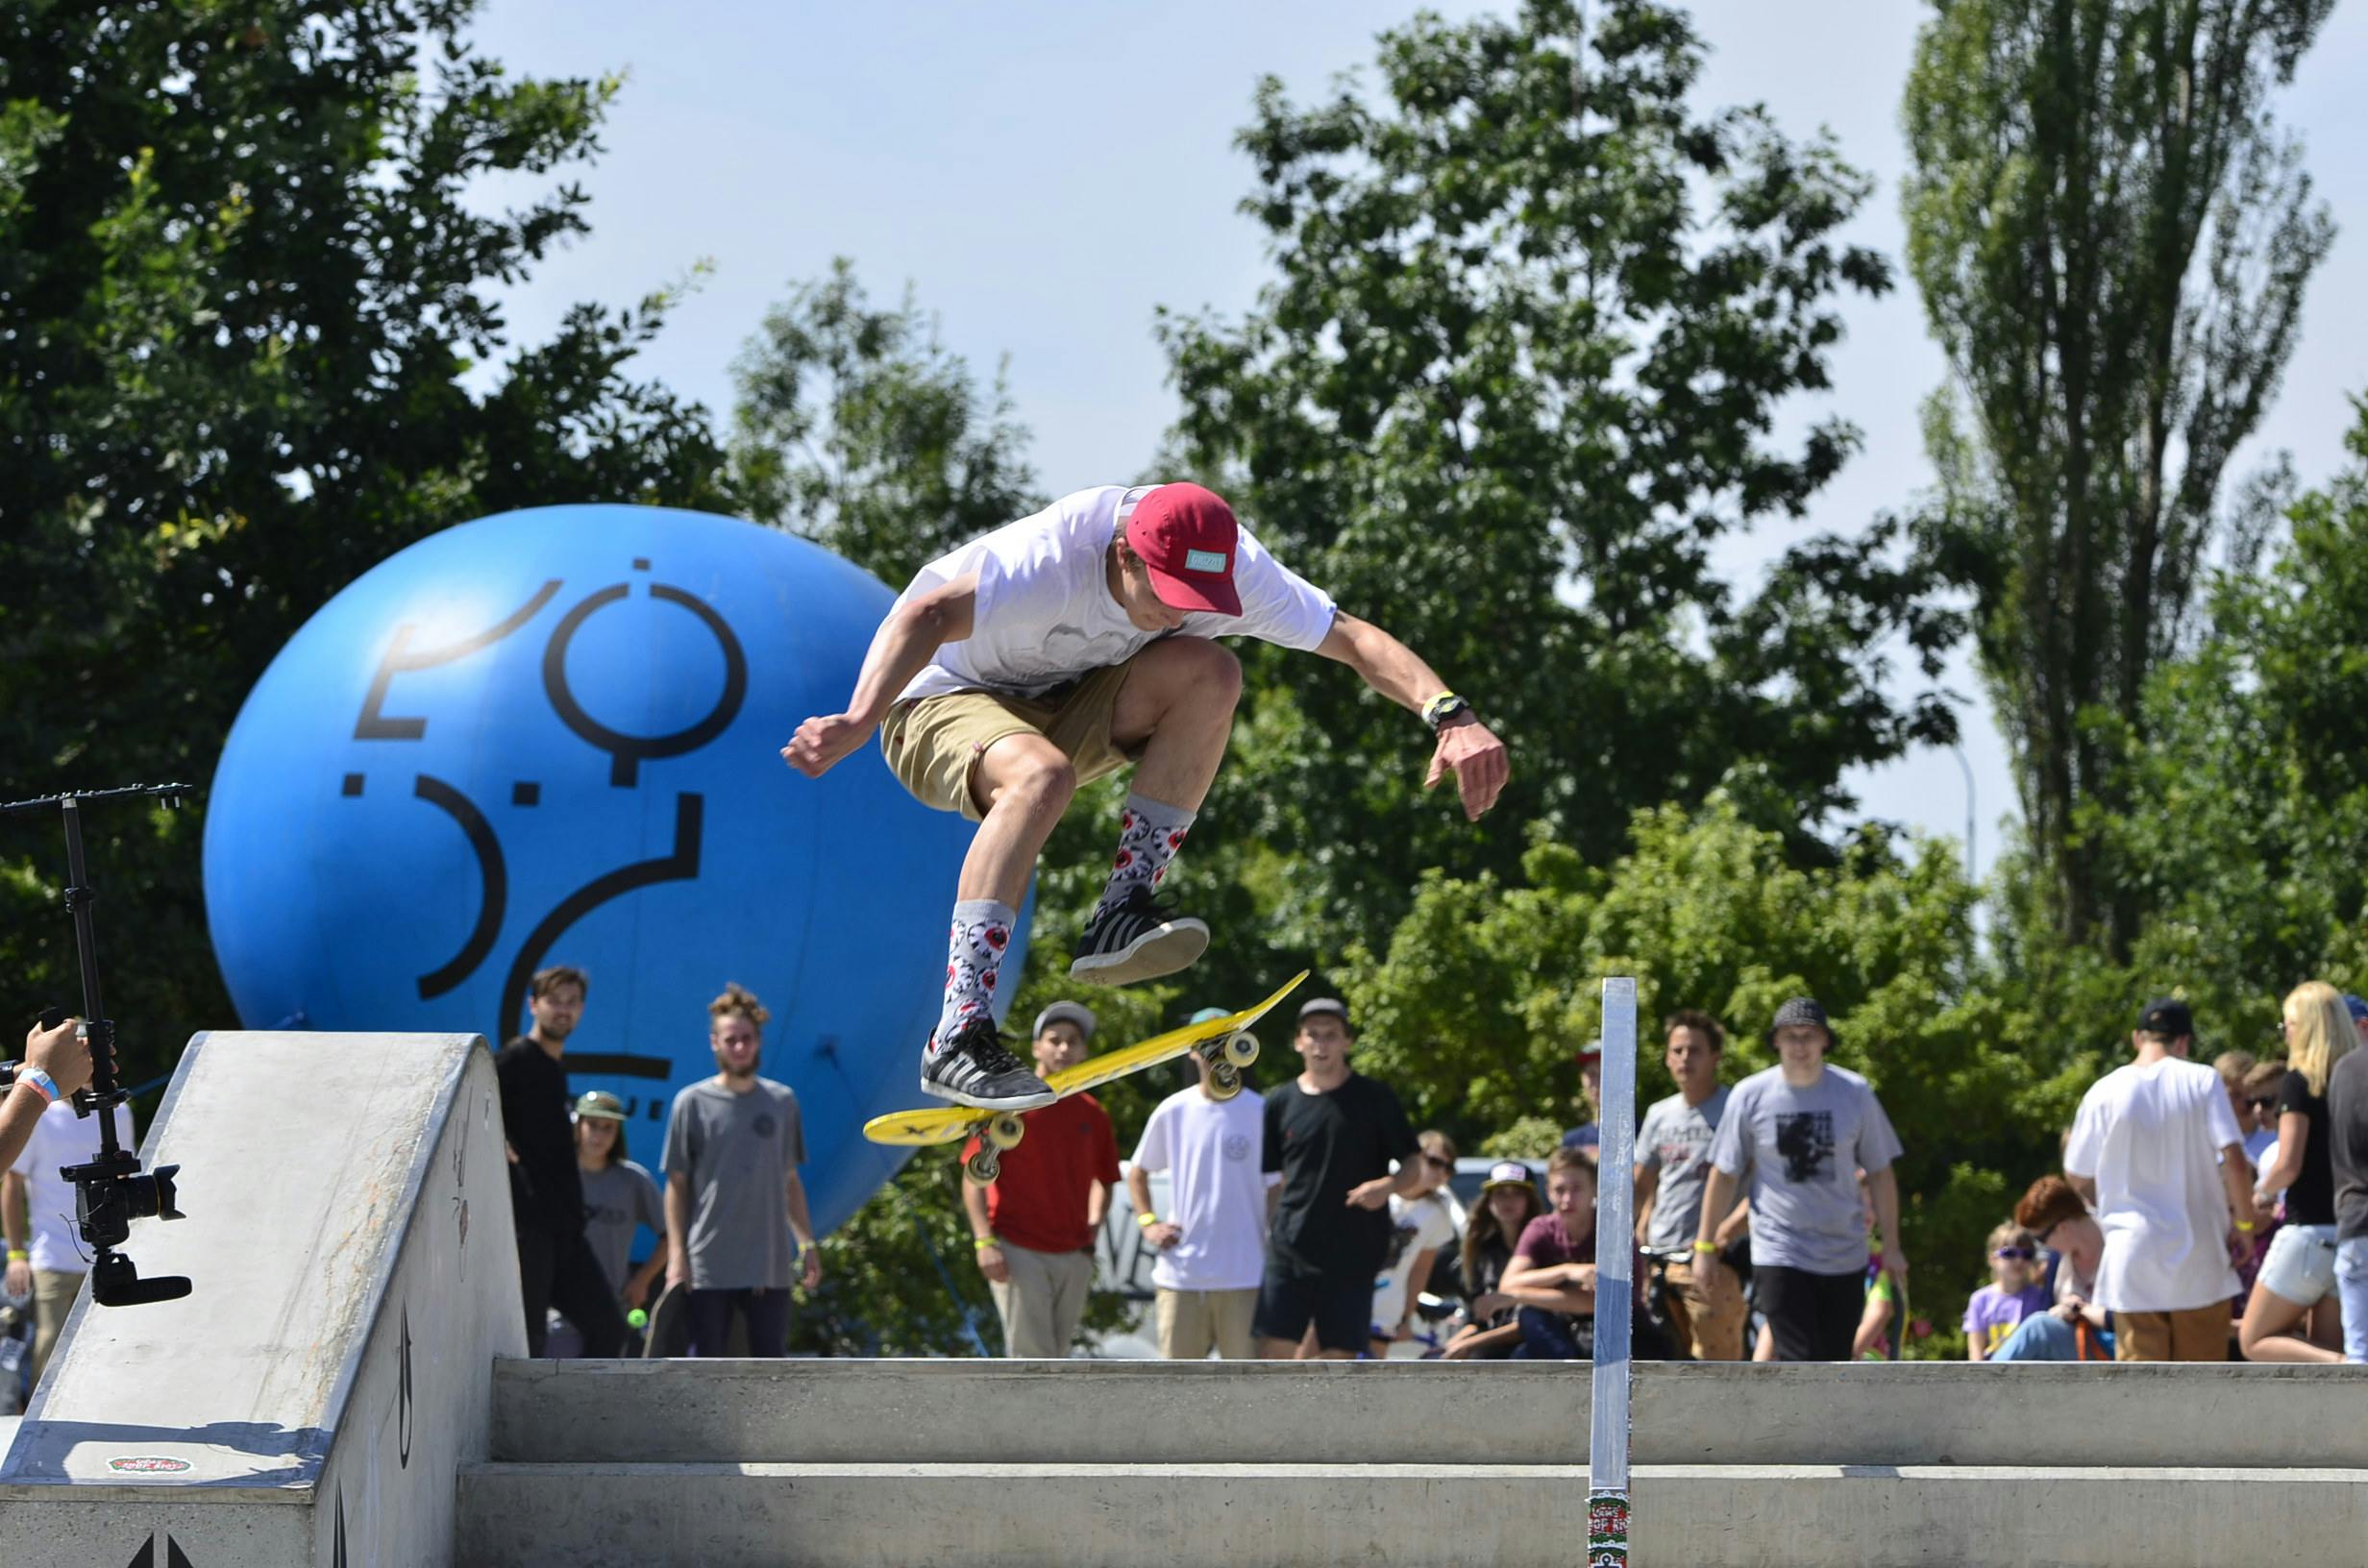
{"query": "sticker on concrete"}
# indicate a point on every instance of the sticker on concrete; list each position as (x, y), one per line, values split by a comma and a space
(147, 1464)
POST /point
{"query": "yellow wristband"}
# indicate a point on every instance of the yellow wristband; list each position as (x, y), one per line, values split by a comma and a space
(1146, 1221)
(1706, 1246)
(2244, 1227)
(983, 1242)
(18, 1255)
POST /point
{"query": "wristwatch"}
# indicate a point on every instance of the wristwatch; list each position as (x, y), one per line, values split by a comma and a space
(1444, 709)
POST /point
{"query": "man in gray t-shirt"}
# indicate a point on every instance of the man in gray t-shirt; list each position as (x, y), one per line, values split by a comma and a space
(1672, 1163)
(1801, 1132)
(735, 1209)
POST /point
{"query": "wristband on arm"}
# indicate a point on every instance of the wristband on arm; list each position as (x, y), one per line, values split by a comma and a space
(39, 1082)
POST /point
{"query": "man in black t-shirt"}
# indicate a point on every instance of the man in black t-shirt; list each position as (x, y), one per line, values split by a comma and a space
(1333, 1135)
(555, 1264)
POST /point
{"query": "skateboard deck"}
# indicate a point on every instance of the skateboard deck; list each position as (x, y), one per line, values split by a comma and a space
(669, 1328)
(1225, 1041)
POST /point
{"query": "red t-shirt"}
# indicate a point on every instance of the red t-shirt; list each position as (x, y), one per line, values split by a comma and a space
(1037, 1202)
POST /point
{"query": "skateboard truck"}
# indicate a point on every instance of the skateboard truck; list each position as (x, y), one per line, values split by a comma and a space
(1226, 1056)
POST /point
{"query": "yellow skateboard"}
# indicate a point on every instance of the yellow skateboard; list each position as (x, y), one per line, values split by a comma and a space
(1226, 1042)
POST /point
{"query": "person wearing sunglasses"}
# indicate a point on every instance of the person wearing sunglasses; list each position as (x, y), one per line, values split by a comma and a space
(1426, 1223)
(2013, 1293)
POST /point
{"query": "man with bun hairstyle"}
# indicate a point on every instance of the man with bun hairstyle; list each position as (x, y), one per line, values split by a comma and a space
(1034, 1227)
(1062, 647)
(737, 1225)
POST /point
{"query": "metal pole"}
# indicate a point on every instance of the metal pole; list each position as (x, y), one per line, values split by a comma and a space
(1607, 1449)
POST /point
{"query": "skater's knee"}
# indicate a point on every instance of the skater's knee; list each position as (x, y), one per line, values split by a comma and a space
(1042, 775)
(1207, 670)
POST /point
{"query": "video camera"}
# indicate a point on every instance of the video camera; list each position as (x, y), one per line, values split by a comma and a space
(109, 1189)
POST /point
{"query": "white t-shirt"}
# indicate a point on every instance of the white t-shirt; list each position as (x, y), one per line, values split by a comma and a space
(1217, 1194)
(1044, 615)
(60, 1137)
(1421, 1224)
(2150, 1137)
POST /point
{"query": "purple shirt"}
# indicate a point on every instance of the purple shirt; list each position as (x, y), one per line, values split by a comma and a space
(1992, 1314)
(1546, 1244)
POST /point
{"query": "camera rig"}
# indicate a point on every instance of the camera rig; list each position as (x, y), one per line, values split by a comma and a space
(109, 1189)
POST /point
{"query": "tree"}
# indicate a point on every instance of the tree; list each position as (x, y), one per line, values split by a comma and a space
(1514, 379)
(1471, 1009)
(2247, 783)
(2111, 236)
(858, 429)
(242, 288)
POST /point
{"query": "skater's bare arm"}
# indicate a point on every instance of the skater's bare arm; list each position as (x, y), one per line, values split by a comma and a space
(905, 643)
(1465, 747)
(677, 1230)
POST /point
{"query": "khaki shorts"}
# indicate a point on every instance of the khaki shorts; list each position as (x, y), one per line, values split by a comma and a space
(933, 745)
(1194, 1322)
(2197, 1333)
(1709, 1312)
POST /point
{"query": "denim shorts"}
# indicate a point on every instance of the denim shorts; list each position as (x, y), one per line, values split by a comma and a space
(2301, 1265)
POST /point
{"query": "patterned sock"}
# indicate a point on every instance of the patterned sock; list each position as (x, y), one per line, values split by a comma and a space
(973, 953)
(1149, 834)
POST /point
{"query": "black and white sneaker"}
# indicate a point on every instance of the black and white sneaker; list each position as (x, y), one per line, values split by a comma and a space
(973, 1068)
(1139, 938)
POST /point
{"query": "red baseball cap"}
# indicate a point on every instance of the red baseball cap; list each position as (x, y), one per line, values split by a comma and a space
(1187, 537)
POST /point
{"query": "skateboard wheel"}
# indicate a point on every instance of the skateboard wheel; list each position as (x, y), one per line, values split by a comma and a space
(1005, 1131)
(1242, 1049)
(982, 1167)
(1225, 1081)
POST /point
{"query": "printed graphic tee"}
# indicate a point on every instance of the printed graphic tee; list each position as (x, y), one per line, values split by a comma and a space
(1801, 1150)
(737, 1151)
(1044, 615)
(617, 1202)
(2150, 1135)
(1214, 1156)
(1416, 1225)
(1675, 1140)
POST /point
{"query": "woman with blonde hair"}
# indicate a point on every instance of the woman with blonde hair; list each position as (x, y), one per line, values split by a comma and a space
(2298, 1277)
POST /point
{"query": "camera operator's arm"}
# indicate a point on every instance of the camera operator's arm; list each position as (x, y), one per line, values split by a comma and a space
(55, 1054)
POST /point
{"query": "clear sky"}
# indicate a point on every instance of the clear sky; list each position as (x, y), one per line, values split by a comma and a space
(1043, 176)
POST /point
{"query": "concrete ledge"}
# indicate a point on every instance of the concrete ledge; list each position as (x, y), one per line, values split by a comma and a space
(1381, 1412)
(1395, 1515)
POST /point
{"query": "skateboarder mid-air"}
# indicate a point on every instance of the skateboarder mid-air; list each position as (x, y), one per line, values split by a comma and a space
(1057, 649)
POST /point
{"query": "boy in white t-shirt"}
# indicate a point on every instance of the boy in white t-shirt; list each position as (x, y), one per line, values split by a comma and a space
(37, 1214)
(2156, 1154)
(1212, 1242)
(1059, 649)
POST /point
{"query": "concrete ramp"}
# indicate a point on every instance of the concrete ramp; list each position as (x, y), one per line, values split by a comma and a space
(349, 1240)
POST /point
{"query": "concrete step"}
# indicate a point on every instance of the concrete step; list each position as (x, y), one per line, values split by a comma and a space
(1404, 1515)
(1386, 1412)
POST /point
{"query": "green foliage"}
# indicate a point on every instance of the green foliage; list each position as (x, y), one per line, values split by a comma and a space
(242, 279)
(1514, 383)
(2113, 237)
(857, 428)
(1475, 1008)
(2247, 781)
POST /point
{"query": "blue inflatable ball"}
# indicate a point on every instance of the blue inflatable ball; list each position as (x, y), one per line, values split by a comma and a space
(553, 737)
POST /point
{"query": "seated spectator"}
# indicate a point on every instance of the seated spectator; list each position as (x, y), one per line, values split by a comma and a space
(2015, 1293)
(1551, 1279)
(1423, 1225)
(1508, 1202)
(2297, 1278)
(2075, 1328)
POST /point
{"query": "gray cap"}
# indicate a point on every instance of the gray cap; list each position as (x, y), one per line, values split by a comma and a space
(1076, 1012)
(1315, 1006)
(1802, 1012)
